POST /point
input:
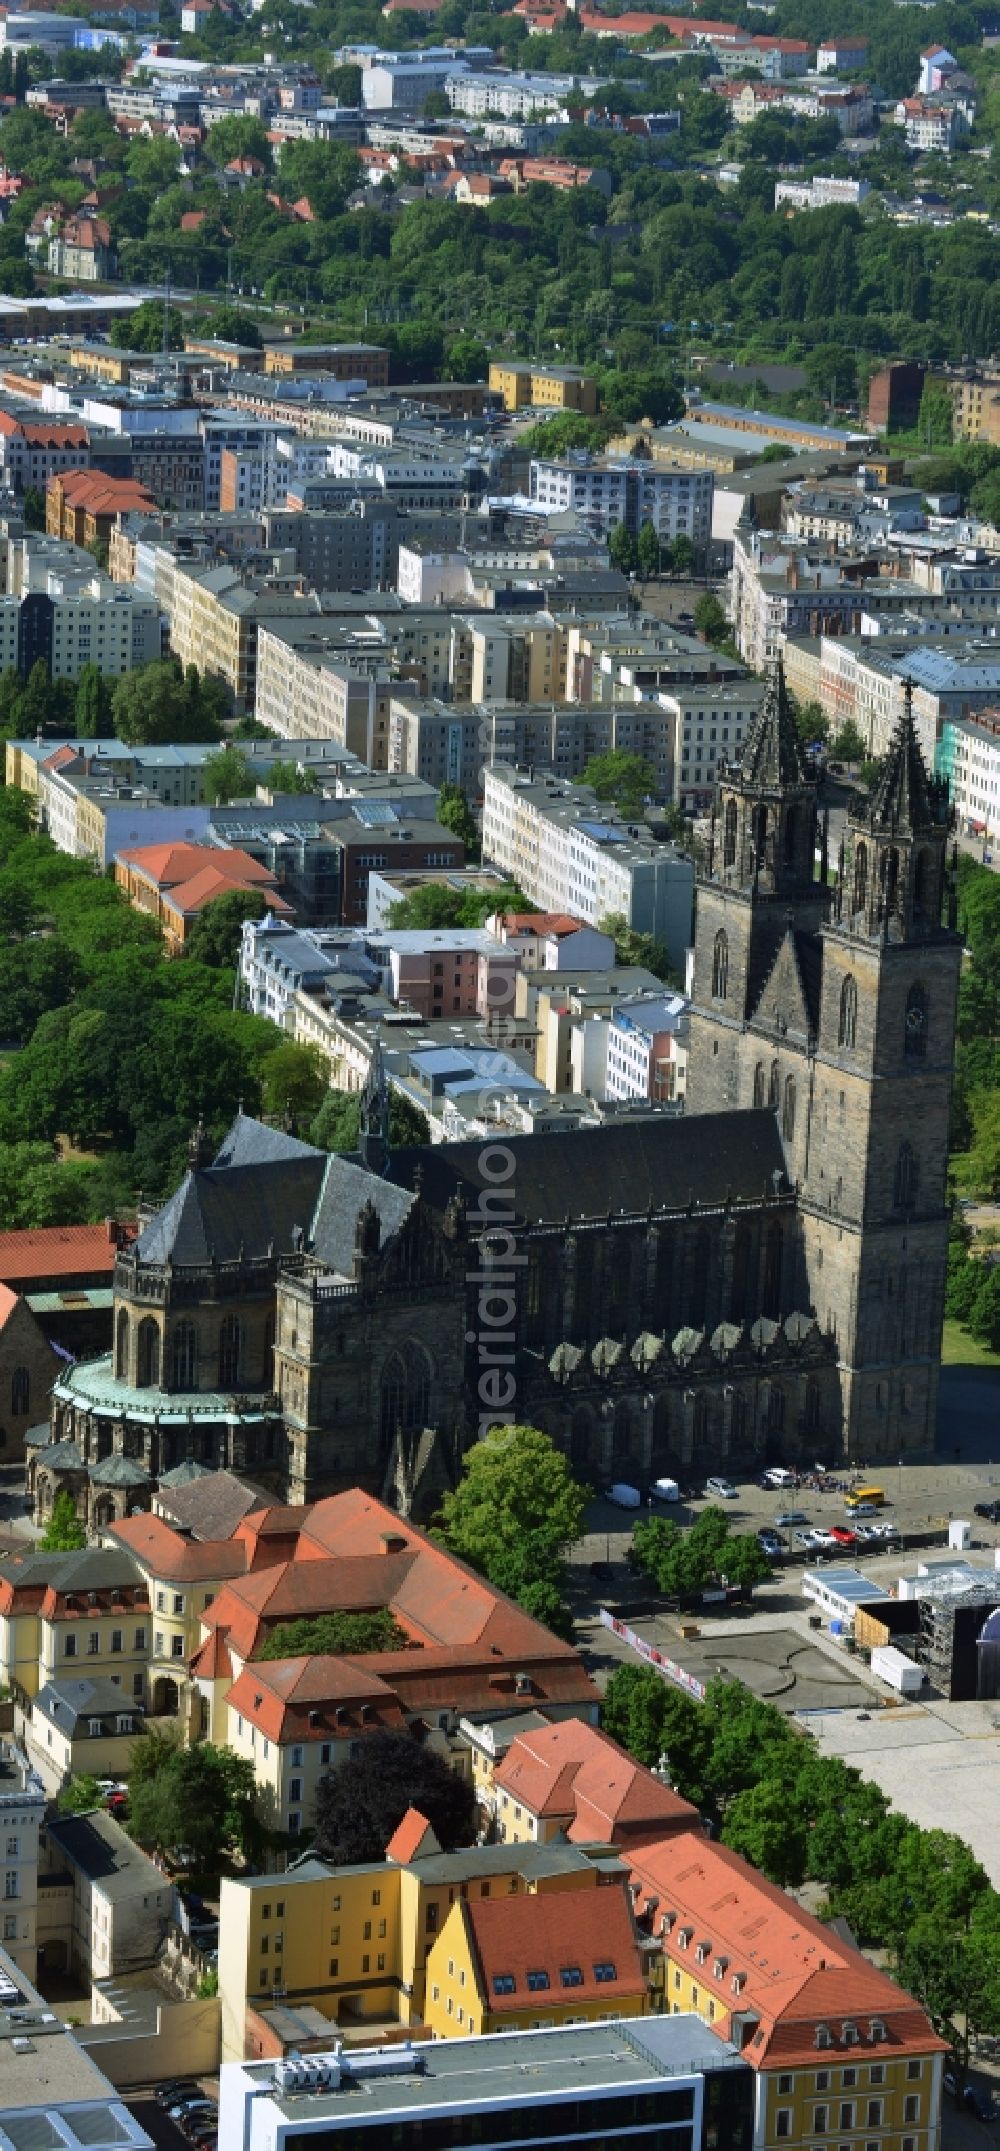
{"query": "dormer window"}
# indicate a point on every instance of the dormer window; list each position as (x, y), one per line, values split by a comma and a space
(823, 2038)
(701, 1952)
(739, 1981)
(685, 1936)
(720, 1967)
(877, 2030)
(849, 2034)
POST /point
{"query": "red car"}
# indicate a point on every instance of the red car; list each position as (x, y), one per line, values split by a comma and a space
(843, 1536)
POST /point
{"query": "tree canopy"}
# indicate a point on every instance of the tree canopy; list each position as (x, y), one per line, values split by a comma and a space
(335, 1635)
(197, 1805)
(362, 1802)
(64, 1533)
(514, 1515)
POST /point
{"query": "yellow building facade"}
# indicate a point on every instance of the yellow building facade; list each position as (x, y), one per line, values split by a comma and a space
(523, 385)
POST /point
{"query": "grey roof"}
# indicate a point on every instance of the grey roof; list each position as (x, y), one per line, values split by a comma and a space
(251, 1142)
(597, 1173)
(183, 1474)
(118, 1471)
(98, 1845)
(67, 1701)
(211, 1505)
(346, 1189)
(89, 1568)
(62, 1455)
(223, 1213)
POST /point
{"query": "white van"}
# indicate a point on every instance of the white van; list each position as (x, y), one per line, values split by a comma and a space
(665, 1490)
(625, 1497)
(778, 1476)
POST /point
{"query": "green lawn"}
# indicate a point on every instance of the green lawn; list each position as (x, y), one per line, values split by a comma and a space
(958, 1349)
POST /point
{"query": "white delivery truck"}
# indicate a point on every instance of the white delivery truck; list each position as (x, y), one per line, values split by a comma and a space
(624, 1497)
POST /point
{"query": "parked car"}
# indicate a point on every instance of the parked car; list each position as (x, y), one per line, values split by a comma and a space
(176, 2090)
(778, 1476)
(770, 1543)
(825, 1538)
(842, 1537)
(864, 1508)
(885, 1531)
(979, 2103)
(720, 1490)
(950, 2082)
(866, 1534)
(989, 1509)
(805, 1539)
(788, 1517)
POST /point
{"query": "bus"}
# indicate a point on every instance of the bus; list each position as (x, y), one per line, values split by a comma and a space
(869, 1497)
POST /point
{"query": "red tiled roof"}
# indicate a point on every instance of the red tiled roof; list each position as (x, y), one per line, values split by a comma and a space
(175, 1557)
(320, 1698)
(795, 1972)
(553, 1931)
(413, 1835)
(213, 1662)
(68, 1251)
(570, 1769)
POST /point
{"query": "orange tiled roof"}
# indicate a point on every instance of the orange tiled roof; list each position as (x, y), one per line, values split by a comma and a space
(56, 1251)
(570, 1769)
(794, 1972)
(411, 1836)
(554, 1932)
(175, 1557)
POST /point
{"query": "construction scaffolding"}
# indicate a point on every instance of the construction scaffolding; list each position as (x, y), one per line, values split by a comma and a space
(950, 1623)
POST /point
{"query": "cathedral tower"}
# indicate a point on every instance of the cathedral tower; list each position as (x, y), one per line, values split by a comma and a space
(832, 1002)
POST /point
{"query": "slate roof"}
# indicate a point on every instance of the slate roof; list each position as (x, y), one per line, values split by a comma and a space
(346, 1189)
(599, 1172)
(251, 1142)
(224, 1213)
(65, 1702)
(213, 1504)
(98, 1845)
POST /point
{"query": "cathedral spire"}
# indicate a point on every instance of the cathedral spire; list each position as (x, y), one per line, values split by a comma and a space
(904, 799)
(374, 1136)
(773, 757)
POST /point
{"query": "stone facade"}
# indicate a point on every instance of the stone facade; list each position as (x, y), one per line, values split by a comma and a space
(762, 1278)
(28, 1368)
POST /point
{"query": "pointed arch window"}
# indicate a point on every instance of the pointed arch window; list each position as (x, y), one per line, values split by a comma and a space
(729, 826)
(791, 836)
(183, 1356)
(230, 1352)
(860, 878)
(148, 1373)
(773, 1254)
(788, 1110)
(759, 1085)
(121, 1346)
(848, 1028)
(774, 1081)
(915, 1024)
(720, 966)
(907, 1177)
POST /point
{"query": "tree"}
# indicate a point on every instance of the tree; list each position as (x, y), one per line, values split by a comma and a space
(294, 1080)
(234, 137)
(290, 777)
(217, 932)
(516, 1509)
(623, 551)
(455, 813)
(847, 745)
(335, 1635)
(33, 508)
(94, 703)
(227, 776)
(64, 1533)
(362, 1802)
(681, 554)
(197, 1805)
(230, 324)
(628, 779)
(984, 1315)
(761, 1828)
(812, 724)
(633, 947)
(935, 418)
(79, 1797)
(143, 330)
(337, 1125)
(710, 620)
(648, 550)
(157, 706)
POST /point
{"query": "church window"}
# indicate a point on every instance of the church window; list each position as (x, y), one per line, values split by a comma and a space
(759, 835)
(848, 1030)
(772, 1272)
(230, 1341)
(773, 1085)
(148, 1372)
(699, 1278)
(915, 1031)
(907, 1177)
(741, 1273)
(405, 1393)
(121, 1346)
(699, 1423)
(729, 834)
(860, 878)
(776, 1411)
(183, 1362)
(788, 1110)
(759, 1085)
(720, 966)
(20, 1390)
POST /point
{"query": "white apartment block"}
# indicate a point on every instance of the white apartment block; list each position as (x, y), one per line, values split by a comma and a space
(569, 853)
(968, 755)
(609, 490)
(647, 1050)
(822, 192)
(22, 1814)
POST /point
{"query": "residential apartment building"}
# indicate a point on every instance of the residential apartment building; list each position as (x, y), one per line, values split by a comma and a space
(22, 1815)
(345, 362)
(539, 2087)
(566, 1017)
(647, 1050)
(311, 684)
(520, 1963)
(968, 754)
(527, 384)
(839, 2053)
(354, 1942)
(181, 1575)
(569, 853)
(63, 1613)
(80, 1726)
(104, 1904)
(610, 490)
(821, 192)
(32, 449)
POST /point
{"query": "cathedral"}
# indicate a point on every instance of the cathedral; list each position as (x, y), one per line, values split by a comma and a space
(762, 1278)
